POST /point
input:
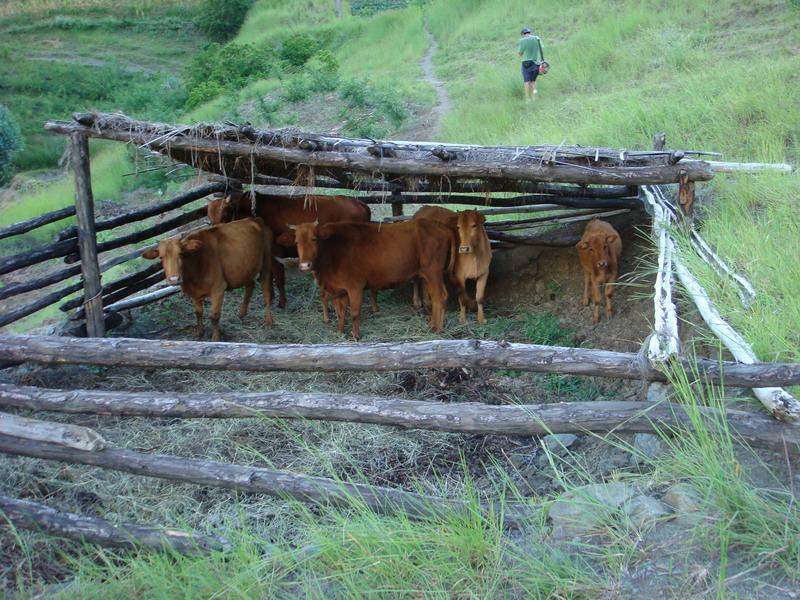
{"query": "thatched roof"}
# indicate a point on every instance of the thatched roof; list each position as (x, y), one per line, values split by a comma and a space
(247, 153)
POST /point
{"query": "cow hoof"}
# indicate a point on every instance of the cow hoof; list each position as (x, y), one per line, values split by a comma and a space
(282, 304)
(269, 322)
(482, 321)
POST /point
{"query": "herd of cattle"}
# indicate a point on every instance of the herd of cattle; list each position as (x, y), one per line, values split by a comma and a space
(333, 238)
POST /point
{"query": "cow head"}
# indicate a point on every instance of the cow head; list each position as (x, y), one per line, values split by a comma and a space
(170, 252)
(597, 247)
(227, 208)
(306, 236)
(470, 230)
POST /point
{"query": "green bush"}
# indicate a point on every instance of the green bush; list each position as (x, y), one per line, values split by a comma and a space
(221, 19)
(202, 93)
(10, 142)
(297, 89)
(323, 69)
(370, 111)
(231, 66)
(297, 49)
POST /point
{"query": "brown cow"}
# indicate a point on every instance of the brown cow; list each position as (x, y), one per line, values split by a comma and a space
(207, 262)
(474, 253)
(599, 251)
(279, 212)
(346, 258)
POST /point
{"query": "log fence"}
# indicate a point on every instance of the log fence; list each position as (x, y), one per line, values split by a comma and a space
(575, 183)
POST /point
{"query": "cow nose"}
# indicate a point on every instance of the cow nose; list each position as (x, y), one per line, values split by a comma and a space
(464, 249)
(305, 266)
(174, 279)
(603, 264)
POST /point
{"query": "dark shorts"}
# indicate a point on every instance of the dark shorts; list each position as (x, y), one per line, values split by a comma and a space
(530, 70)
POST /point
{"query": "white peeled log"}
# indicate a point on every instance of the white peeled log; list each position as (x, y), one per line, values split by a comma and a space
(665, 341)
(72, 436)
(745, 289)
(777, 401)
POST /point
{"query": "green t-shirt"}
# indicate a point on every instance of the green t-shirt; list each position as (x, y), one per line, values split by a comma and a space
(529, 47)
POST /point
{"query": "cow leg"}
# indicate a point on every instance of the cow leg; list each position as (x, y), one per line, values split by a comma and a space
(438, 294)
(340, 305)
(375, 308)
(198, 313)
(480, 288)
(596, 299)
(216, 311)
(416, 301)
(586, 285)
(356, 298)
(324, 298)
(463, 300)
(279, 275)
(265, 279)
(248, 293)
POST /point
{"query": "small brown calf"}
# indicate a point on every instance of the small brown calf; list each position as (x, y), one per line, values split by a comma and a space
(207, 262)
(474, 253)
(599, 251)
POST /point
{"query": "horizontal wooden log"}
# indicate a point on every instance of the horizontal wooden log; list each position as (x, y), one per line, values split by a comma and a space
(280, 185)
(37, 255)
(117, 284)
(37, 517)
(560, 216)
(37, 305)
(62, 434)
(518, 201)
(150, 211)
(150, 232)
(385, 356)
(129, 290)
(281, 484)
(758, 430)
(28, 285)
(433, 167)
(143, 299)
(36, 222)
(737, 167)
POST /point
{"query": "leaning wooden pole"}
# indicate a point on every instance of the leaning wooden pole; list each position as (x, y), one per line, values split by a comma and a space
(382, 356)
(758, 430)
(252, 479)
(37, 517)
(87, 242)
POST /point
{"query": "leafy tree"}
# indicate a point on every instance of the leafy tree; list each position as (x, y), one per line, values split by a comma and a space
(298, 48)
(10, 142)
(221, 19)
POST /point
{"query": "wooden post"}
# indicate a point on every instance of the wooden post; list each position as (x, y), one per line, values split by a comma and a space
(686, 197)
(397, 207)
(659, 141)
(87, 243)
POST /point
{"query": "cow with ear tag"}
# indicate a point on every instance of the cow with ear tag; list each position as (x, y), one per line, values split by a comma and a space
(210, 261)
(599, 251)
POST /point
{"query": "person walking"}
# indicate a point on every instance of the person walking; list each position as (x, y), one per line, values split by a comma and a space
(530, 51)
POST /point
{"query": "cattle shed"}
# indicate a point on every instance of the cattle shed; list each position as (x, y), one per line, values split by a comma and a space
(568, 185)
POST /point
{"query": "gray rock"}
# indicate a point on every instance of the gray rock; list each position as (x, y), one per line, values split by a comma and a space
(658, 392)
(645, 511)
(586, 508)
(683, 498)
(647, 445)
(559, 442)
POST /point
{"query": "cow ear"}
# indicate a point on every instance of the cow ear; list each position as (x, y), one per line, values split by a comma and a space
(582, 245)
(286, 238)
(610, 238)
(324, 233)
(192, 245)
(481, 218)
(150, 253)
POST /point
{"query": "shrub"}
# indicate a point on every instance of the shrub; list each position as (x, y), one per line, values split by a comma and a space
(297, 89)
(202, 93)
(219, 67)
(221, 19)
(298, 49)
(10, 142)
(323, 70)
(370, 111)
